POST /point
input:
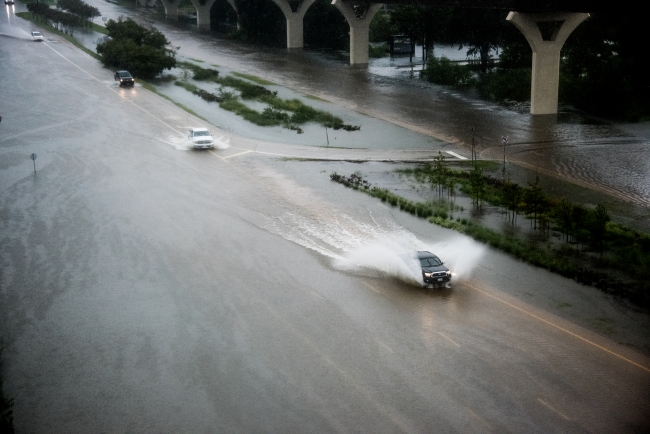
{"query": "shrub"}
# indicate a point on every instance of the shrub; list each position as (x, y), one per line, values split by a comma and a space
(202, 74)
(505, 84)
(444, 71)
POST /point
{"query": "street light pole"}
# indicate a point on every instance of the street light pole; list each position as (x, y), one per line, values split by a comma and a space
(504, 140)
(473, 153)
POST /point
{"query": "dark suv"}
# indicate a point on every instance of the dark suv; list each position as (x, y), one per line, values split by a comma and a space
(433, 270)
(125, 78)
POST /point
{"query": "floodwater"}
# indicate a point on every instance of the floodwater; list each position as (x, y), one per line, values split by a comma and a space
(601, 155)
(597, 154)
(147, 289)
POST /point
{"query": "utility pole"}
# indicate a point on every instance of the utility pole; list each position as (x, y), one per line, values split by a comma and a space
(473, 153)
(504, 140)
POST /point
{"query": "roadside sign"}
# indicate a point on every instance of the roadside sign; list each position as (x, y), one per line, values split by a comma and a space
(33, 157)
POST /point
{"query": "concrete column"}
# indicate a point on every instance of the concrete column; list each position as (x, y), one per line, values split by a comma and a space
(203, 14)
(171, 9)
(294, 21)
(546, 53)
(359, 30)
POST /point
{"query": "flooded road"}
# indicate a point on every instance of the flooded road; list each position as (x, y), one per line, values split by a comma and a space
(146, 288)
(604, 156)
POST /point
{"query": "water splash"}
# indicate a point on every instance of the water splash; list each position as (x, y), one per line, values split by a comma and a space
(221, 142)
(392, 255)
(365, 243)
(460, 254)
(184, 144)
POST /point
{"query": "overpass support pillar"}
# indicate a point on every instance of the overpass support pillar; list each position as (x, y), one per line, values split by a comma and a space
(546, 33)
(171, 9)
(294, 21)
(203, 13)
(359, 30)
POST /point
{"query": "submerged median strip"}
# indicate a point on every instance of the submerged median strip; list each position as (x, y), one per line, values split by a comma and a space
(290, 113)
(566, 239)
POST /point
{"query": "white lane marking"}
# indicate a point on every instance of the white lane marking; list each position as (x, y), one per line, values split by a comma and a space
(372, 287)
(449, 339)
(238, 154)
(453, 154)
(547, 405)
(389, 349)
(217, 155)
(479, 418)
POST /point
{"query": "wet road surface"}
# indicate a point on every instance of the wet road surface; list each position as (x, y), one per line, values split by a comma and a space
(149, 289)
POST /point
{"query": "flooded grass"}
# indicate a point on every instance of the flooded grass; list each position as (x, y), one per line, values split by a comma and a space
(315, 98)
(289, 113)
(617, 263)
(153, 89)
(254, 79)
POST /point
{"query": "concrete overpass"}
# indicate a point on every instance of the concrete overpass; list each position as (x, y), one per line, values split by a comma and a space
(561, 17)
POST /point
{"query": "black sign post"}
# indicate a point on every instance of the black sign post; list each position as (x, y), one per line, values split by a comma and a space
(33, 157)
(504, 140)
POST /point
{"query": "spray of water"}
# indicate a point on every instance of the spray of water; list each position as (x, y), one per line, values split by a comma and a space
(221, 142)
(15, 32)
(184, 144)
(460, 254)
(364, 243)
(392, 255)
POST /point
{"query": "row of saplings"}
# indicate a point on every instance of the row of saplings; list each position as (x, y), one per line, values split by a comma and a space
(597, 252)
(68, 15)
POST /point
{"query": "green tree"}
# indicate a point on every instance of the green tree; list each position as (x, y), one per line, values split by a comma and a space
(512, 193)
(80, 8)
(597, 224)
(563, 214)
(440, 173)
(445, 72)
(134, 48)
(579, 221)
(380, 27)
(535, 201)
(479, 29)
(477, 186)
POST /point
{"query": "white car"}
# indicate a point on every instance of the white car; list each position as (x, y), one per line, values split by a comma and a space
(201, 138)
(37, 36)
